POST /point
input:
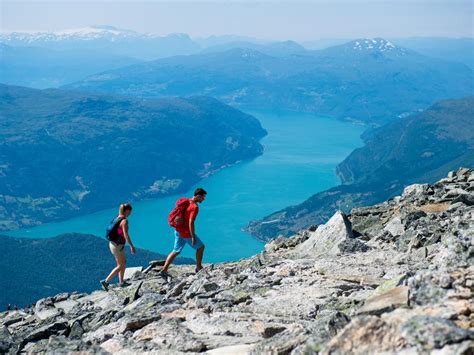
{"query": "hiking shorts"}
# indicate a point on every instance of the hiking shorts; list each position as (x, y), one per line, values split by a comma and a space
(180, 242)
(117, 250)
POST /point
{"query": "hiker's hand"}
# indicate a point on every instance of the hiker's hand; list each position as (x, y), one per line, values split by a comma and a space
(193, 241)
(132, 249)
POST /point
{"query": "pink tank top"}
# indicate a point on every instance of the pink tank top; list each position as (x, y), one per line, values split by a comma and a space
(120, 233)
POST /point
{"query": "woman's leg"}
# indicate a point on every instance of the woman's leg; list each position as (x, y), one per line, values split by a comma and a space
(114, 271)
(122, 262)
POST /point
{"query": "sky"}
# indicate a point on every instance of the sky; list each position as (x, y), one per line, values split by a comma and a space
(270, 19)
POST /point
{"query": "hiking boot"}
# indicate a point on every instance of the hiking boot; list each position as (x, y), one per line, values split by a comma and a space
(124, 284)
(196, 270)
(105, 285)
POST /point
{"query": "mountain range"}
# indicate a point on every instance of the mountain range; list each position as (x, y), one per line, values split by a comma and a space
(106, 39)
(364, 80)
(419, 148)
(148, 46)
(52, 55)
(66, 153)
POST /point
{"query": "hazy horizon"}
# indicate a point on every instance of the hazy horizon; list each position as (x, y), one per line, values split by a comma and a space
(304, 20)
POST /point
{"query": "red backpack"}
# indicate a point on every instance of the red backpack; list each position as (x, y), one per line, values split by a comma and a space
(176, 216)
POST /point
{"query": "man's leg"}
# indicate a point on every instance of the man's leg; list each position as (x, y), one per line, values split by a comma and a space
(177, 248)
(199, 247)
(169, 260)
(199, 255)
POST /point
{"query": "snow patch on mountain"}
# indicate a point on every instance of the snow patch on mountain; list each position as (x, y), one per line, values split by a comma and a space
(379, 44)
(85, 33)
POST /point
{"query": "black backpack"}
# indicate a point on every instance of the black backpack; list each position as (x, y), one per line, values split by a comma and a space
(111, 231)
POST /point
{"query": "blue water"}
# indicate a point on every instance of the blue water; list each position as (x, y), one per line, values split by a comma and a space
(301, 153)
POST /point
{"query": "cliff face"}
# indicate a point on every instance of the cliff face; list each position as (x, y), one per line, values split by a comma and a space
(391, 277)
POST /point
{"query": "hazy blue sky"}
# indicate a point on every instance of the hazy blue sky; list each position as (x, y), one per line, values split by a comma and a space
(299, 20)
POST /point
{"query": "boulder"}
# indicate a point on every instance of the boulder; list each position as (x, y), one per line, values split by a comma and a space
(415, 190)
(396, 297)
(169, 334)
(130, 272)
(434, 332)
(328, 237)
(66, 305)
(241, 349)
(268, 330)
(201, 286)
(57, 328)
(6, 339)
(395, 226)
(44, 309)
(366, 335)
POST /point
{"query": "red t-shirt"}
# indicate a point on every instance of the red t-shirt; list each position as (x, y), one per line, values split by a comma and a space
(189, 215)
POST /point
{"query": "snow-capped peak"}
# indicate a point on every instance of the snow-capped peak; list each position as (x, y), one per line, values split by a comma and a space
(90, 33)
(84, 33)
(376, 44)
(93, 30)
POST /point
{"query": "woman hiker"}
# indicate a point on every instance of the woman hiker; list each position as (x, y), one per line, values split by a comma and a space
(117, 234)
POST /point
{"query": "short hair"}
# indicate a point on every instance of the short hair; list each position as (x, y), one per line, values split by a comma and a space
(200, 192)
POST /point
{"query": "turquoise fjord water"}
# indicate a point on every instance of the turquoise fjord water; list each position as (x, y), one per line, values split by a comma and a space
(301, 153)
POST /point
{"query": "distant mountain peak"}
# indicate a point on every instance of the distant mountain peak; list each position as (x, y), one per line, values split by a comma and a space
(95, 30)
(376, 44)
(88, 32)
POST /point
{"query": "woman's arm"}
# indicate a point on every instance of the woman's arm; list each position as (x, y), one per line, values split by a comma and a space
(127, 236)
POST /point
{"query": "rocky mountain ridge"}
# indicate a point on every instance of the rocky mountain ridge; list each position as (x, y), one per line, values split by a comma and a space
(394, 277)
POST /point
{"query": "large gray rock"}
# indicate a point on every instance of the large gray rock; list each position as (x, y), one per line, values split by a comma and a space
(433, 332)
(131, 272)
(59, 327)
(396, 297)
(44, 309)
(327, 238)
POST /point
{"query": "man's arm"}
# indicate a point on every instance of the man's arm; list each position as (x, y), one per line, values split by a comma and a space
(192, 218)
(191, 230)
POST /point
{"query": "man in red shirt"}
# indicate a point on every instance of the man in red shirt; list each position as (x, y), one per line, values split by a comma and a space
(185, 233)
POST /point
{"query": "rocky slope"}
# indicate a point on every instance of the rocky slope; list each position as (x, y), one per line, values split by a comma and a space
(63, 154)
(394, 277)
(422, 147)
